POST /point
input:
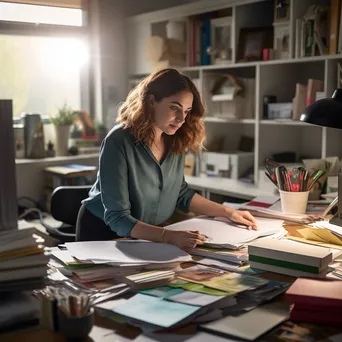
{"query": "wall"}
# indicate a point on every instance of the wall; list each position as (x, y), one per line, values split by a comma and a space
(113, 48)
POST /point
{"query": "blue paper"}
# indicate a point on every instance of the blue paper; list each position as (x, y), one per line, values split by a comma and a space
(162, 291)
(155, 310)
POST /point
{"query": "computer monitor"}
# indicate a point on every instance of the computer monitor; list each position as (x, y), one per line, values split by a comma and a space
(8, 186)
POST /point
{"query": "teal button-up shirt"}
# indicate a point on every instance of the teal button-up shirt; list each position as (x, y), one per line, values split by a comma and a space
(132, 186)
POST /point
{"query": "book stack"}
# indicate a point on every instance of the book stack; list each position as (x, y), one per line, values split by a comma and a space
(23, 268)
(316, 301)
(23, 263)
(290, 258)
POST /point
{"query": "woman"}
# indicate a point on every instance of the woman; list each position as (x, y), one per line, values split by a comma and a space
(141, 173)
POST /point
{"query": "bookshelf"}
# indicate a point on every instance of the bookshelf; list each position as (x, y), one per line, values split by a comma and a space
(272, 77)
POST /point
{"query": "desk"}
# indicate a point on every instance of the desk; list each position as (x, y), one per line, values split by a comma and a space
(106, 330)
(228, 187)
(29, 172)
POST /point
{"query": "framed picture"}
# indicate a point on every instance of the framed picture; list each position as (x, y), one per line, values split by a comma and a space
(252, 41)
(281, 10)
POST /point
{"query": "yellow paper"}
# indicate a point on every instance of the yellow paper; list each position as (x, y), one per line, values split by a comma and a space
(229, 282)
(309, 234)
(316, 243)
(21, 252)
(328, 236)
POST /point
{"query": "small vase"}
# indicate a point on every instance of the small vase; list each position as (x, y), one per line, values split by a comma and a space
(62, 140)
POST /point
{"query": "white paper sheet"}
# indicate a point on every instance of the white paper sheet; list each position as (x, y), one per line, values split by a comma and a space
(223, 233)
(205, 337)
(195, 298)
(221, 264)
(127, 252)
(199, 337)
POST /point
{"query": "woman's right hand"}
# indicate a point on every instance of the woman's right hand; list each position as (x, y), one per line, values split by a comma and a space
(184, 239)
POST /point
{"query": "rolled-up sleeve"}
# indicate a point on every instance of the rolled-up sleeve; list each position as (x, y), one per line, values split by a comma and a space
(185, 197)
(113, 177)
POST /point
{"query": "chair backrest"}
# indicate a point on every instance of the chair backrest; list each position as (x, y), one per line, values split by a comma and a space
(66, 202)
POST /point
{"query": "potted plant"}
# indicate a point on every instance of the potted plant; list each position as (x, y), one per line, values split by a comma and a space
(62, 122)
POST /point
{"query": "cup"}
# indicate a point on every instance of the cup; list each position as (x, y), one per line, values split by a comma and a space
(294, 202)
(75, 328)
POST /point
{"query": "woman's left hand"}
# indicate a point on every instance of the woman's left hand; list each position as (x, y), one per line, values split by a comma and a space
(243, 217)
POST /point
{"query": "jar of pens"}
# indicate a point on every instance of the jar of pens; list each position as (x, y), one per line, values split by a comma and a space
(65, 312)
(294, 185)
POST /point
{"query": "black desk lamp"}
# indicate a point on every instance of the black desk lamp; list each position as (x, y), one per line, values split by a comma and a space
(328, 113)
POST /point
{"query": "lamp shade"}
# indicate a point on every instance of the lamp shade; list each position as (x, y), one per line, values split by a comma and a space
(325, 112)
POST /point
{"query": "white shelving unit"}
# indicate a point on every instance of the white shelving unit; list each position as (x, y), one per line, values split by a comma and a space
(274, 77)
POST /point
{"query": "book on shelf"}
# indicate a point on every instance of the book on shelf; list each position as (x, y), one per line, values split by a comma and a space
(334, 26)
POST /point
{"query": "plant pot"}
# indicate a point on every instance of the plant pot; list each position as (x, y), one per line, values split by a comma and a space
(62, 140)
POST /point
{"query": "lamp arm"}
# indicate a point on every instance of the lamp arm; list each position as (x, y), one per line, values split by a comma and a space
(330, 207)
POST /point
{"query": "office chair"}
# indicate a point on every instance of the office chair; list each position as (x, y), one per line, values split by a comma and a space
(65, 204)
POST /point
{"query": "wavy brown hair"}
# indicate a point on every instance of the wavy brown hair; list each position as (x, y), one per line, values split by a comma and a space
(135, 114)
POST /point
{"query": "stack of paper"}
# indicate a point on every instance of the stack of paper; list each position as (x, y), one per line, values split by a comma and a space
(23, 263)
(320, 233)
(102, 264)
(236, 257)
(149, 279)
(214, 278)
(223, 233)
(127, 252)
(270, 207)
(180, 295)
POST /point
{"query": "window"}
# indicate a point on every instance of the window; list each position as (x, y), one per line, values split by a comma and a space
(41, 14)
(40, 68)
(40, 74)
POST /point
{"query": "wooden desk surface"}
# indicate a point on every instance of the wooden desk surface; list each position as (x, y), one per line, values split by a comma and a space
(104, 330)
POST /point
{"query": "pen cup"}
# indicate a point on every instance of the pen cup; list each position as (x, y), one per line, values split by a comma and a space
(294, 202)
(75, 328)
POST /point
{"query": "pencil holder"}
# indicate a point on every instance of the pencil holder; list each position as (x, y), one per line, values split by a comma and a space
(294, 202)
(75, 328)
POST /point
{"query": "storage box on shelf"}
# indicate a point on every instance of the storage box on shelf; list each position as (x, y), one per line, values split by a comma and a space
(279, 77)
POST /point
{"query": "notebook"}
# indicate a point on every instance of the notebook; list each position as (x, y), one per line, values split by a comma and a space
(258, 321)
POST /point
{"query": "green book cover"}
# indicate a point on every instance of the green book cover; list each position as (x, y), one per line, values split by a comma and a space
(286, 264)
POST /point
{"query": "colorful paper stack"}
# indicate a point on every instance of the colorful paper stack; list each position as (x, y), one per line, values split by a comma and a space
(287, 257)
(316, 301)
